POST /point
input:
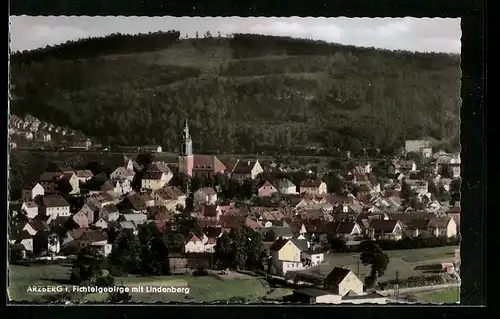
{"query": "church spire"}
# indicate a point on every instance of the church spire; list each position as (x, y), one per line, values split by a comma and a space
(186, 142)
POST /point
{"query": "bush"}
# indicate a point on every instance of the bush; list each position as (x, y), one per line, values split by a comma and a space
(75, 277)
(105, 281)
(418, 242)
(419, 281)
(115, 271)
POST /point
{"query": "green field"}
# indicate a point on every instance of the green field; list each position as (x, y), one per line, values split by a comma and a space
(202, 288)
(451, 295)
(402, 262)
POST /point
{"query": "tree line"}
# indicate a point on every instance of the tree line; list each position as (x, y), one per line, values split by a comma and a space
(285, 93)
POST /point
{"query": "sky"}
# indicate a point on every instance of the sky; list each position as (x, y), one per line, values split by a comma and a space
(412, 34)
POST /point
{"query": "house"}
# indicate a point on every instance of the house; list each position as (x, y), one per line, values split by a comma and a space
(348, 228)
(151, 148)
(26, 226)
(133, 203)
(420, 187)
(211, 235)
(312, 257)
(382, 228)
(342, 281)
(79, 238)
(286, 187)
(313, 187)
(121, 186)
(80, 218)
(209, 211)
(98, 242)
(206, 195)
(273, 233)
(84, 175)
(22, 238)
(101, 223)
(102, 247)
(408, 166)
(45, 241)
(418, 146)
(313, 296)
(286, 255)
(55, 205)
(246, 170)
(109, 213)
(89, 212)
(364, 192)
(267, 189)
(30, 208)
(136, 218)
(70, 178)
(123, 173)
(443, 227)
(153, 180)
(169, 197)
(101, 199)
(31, 191)
(394, 168)
(194, 244)
(161, 167)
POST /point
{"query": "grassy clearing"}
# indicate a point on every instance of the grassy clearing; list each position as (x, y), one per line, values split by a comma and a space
(402, 262)
(451, 295)
(203, 288)
(21, 277)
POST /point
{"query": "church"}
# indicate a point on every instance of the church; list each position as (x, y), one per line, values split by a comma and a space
(201, 166)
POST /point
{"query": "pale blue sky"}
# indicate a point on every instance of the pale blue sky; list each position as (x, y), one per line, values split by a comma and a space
(413, 34)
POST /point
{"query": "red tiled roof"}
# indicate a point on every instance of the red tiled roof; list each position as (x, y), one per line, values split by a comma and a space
(152, 175)
(310, 183)
(207, 191)
(381, 225)
(54, 201)
(243, 167)
(207, 162)
(169, 193)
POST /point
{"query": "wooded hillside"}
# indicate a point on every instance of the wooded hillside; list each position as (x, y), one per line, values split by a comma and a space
(240, 93)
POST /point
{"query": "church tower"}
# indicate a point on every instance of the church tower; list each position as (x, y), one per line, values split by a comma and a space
(186, 159)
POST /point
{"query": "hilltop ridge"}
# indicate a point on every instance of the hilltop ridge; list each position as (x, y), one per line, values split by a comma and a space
(241, 93)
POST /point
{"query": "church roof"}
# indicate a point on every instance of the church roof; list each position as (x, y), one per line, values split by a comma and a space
(208, 163)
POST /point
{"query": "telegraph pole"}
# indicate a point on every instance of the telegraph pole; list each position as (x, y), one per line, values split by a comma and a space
(397, 286)
(358, 268)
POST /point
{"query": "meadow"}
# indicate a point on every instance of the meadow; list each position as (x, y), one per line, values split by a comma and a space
(403, 263)
(448, 296)
(201, 288)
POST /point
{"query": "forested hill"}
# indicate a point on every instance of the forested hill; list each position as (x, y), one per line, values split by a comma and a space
(240, 93)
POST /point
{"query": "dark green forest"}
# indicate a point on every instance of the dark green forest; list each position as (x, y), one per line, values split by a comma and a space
(242, 93)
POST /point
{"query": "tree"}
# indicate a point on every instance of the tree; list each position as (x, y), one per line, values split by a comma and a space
(223, 251)
(433, 188)
(154, 250)
(337, 244)
(441, 194)
(240, 249)
(126, 253)
(335, 164)
(372, 254)
(395, 79)
(144, 159)
(87, 268)
(333, 183)
(186, 225)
